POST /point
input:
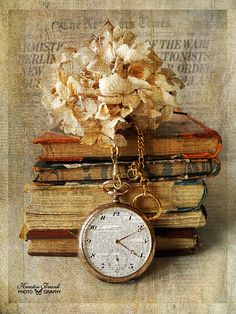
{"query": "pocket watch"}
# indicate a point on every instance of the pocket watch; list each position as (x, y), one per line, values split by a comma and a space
(116, 242)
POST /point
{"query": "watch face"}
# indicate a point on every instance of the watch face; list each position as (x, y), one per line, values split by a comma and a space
(117, 243)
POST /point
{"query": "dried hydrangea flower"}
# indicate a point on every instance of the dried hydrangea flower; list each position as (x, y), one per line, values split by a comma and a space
(97, 87)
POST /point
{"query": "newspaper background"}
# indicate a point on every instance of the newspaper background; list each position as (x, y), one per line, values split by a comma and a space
(203, 283)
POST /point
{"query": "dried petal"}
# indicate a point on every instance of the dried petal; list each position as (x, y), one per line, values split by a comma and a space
(114, 85)
(117, 33)
(141, 70)
(160, 81)
(107, 53)
(83, 56)
(90, 106)
(58, 103)
(137, 83)
(90, 109)
(107, 28)
(157, 62)
(132, 100)
(69, 124)
(113, 122)
(130, 55)
(89, 138)
(105, 141)
(143, 48)
(99, 66)
(106, 130)
(113, 100)
(120, 140)
(169, 99)
(125, 111)
(62, 90)
(103, 112)
(166, 114)
(120, 68)
(77, 88)
(128, 38)
(67, 54)
(62, 76)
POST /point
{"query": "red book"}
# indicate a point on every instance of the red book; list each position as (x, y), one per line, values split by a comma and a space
(182, 137)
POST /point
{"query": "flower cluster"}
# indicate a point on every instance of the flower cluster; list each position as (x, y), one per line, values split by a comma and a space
(98, 86)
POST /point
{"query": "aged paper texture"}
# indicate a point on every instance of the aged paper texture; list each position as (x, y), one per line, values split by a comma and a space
(198, 46)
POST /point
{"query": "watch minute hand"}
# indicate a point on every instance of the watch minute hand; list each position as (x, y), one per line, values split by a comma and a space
(131, 234)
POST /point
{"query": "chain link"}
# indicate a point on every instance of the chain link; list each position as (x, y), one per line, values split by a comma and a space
(115, 174)
(135, 170)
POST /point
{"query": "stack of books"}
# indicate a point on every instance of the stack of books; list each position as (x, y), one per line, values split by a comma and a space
(69, 176)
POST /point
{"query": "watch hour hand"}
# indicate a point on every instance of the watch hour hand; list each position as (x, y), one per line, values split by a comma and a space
(131, 251)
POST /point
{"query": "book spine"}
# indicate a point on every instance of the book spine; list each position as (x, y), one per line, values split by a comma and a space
(72, 251)
(159, 170)
(159, 253)
(201, 201)
(70, 198)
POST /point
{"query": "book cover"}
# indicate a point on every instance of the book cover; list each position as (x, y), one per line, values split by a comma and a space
(160, 170)
(182, 136)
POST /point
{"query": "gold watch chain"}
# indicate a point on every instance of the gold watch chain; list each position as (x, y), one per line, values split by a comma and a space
(115, 174)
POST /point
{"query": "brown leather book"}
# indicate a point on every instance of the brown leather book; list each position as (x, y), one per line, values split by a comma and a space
(183, 136)
(168, 242)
